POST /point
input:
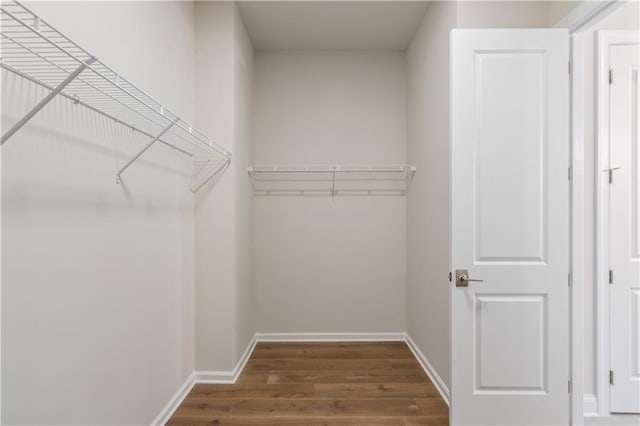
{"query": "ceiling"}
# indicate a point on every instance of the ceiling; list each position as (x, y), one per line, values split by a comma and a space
(331, 25)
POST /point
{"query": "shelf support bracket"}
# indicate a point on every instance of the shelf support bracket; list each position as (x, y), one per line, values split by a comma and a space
(46, 100)
(142, 151)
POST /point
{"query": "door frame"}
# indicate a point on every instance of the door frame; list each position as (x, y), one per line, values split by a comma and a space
(579, 19)
(604, 41)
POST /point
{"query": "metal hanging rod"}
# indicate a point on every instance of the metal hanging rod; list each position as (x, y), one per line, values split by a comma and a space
(34, 50)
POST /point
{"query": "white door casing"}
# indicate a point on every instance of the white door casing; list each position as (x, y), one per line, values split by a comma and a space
(621, 191)
(510, 226)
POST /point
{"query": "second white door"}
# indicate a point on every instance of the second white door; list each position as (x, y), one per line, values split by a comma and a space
(622, 179)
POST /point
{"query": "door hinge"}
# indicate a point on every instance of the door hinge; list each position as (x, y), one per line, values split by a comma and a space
(570, 68)
(569, 279)
(569, 173)
(610, 276)
(570, 386)
(610, 76)
(610, 377)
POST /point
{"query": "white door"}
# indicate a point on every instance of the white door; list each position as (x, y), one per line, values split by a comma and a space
(510, 227)
(624, 227)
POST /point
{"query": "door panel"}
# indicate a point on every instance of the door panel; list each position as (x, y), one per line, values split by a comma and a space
(510, 227)
(519, 319)
(507, 173)
(624, 257)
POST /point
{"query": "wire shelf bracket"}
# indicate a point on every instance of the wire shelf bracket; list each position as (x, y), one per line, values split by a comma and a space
(37, 52)
(28, 116)
(142, 151)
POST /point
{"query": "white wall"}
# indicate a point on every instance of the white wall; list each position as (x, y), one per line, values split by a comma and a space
(560, 9)
(97, 279)
(428, 199)
(326, 264)
(625, 17)
(223, 213)
(503, 14)
(243, 158)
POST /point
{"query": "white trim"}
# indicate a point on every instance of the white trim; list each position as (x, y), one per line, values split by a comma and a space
(602, 220)
(590, 403)
(1, 290)
(583, 15)
(224, 377)
(244, 358)
(604, 41)
(428, 369)
(220, 377)
(331, 337)
(228, 377)
(586, 13)
(577, 229)
(175, 401)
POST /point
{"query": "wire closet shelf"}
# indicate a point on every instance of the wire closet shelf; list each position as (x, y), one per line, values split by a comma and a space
(36, 51)
(331, 179)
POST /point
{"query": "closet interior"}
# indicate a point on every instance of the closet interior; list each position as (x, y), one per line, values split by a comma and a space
(259, 171)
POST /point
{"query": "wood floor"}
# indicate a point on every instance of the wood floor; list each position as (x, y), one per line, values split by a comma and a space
(320, 384)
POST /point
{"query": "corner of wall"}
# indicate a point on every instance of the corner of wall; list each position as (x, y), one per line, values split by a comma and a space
(224, 211)
(428, 199)
(243, 157)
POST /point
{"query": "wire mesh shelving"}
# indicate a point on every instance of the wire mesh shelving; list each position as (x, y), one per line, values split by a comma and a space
(34, 50)
(331, 179)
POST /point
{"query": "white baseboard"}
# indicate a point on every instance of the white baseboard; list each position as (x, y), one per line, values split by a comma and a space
(590, 405)
(330, 337)
(175, 401)
(431, 372)
(220, 377)
(225, 377)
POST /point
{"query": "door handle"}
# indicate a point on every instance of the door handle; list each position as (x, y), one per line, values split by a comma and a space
(462, 278)
(610, 171)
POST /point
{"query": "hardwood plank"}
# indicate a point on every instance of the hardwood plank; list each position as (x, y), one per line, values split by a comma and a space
(205, 407)
(253, 378)
(333, 351)
(252, 390)
(442, 420)
(433, 405)
(291, 421)
(375, 390)
(261, 365)
(439, 420)
(327, 345)
(349, 376)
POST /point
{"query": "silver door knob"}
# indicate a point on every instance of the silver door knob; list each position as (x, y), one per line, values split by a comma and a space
(462, 278)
